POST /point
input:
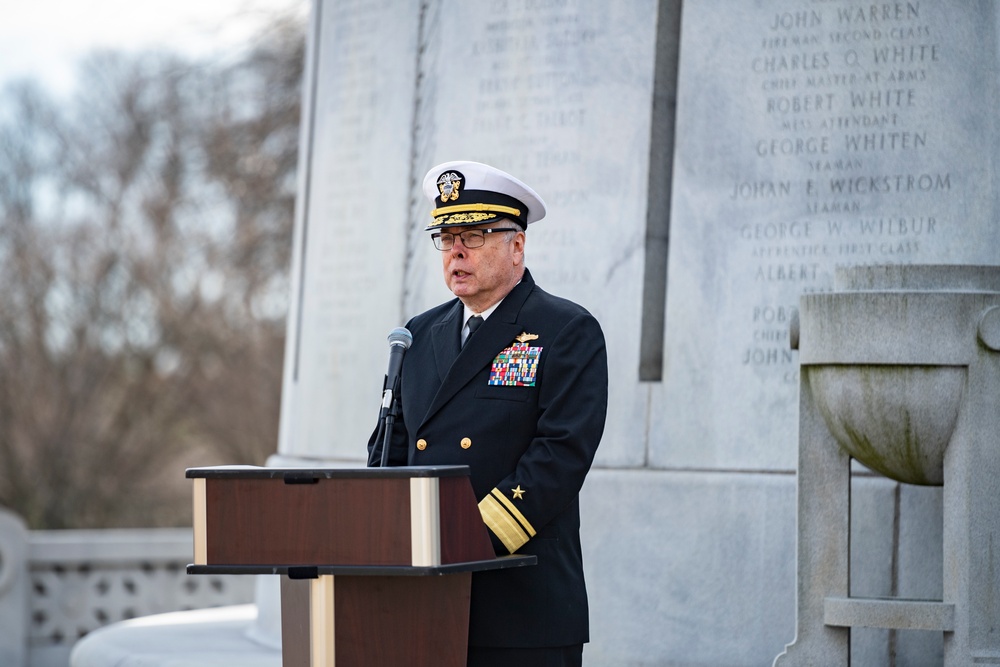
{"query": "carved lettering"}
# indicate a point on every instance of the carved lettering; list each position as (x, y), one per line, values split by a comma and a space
(797, 146)
(826, 207)
(800, 103)
(761, 190)
(758, 356)
(770, 231)
(878, 99)
(796, 62)
(912, 226)
(786, 272)
(795, 20)
(917, 53)
(885, 141)
(877, 13)
(890, 184)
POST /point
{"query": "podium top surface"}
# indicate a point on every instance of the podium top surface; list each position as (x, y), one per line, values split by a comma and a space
(260, 472)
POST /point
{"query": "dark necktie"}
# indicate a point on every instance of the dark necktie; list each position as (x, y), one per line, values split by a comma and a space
(475, 322)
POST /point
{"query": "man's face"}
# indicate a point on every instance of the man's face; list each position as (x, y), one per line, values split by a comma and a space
(482, 276)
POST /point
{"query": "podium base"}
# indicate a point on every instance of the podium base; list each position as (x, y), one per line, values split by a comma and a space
(367, 621)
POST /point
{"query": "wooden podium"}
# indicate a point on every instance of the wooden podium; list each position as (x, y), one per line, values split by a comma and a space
(376, 563)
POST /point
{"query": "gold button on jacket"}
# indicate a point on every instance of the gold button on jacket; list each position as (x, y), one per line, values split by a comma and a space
(466, 443)
(421, 444)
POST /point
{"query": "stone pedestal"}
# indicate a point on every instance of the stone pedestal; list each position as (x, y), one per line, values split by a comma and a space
(899, 370)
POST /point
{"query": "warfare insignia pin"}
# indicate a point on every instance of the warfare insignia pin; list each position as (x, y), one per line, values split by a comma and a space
(525, 337)
(448, 184)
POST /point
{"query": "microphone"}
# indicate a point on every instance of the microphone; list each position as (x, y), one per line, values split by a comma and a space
(400, 340)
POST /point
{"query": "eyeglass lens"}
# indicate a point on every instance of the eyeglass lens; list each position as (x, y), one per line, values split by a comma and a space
(472, 238)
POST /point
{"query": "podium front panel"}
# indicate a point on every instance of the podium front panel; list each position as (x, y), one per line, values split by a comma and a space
(411, 517)
(267, 521)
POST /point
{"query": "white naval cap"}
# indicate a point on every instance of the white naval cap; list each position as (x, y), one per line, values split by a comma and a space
(470, 193)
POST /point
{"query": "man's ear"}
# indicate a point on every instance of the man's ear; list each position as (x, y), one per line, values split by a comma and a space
(518, 243)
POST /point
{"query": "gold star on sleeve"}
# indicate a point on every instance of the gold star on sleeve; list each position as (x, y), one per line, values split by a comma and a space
(518, 492)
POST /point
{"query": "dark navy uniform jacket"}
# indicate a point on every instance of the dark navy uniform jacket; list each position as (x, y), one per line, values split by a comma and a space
(523, 404)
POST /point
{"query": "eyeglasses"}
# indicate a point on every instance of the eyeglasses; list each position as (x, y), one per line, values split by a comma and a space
(472, 238)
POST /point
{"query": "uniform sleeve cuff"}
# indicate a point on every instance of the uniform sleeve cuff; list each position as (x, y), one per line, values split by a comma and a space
(505, 521)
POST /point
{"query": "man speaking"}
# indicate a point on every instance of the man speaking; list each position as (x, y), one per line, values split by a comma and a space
(512, 382)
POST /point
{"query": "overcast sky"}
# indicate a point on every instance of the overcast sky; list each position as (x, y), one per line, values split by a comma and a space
(44, 38)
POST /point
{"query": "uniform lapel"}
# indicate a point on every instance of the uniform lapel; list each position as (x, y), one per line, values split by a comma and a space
(447, 342)
(493, 336)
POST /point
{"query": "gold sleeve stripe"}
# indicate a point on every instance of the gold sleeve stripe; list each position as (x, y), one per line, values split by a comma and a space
(502, 524)
(516, 513)
(465, 208)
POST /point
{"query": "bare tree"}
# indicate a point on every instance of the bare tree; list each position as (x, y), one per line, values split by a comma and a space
(145, 230)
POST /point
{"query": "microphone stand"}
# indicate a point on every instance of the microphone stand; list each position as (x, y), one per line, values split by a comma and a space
(376, 454)
(387, 422)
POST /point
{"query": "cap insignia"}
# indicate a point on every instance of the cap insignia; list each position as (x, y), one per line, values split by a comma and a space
(448, 184)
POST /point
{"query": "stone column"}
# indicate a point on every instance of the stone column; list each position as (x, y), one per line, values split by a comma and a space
(14, 616)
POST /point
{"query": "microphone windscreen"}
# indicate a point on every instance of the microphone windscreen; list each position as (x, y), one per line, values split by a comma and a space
(401, 336)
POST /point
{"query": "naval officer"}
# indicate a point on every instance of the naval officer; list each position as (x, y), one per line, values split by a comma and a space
(512, 382)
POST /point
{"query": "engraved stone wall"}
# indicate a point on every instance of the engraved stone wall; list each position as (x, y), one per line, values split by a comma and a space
(558, 93)
(351, 227)
(814, 135)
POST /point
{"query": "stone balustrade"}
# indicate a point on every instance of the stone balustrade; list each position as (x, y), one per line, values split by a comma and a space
(58, 586)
